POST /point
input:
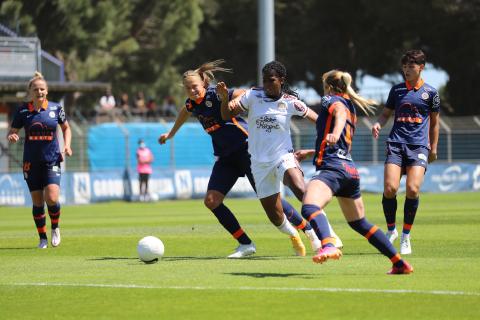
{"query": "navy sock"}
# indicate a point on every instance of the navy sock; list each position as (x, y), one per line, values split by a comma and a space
(409, 213)
(319, 222)
(378, 239)
(40, 220)
(230, 223)
(54, 213)
(294, 217)
(390, 211)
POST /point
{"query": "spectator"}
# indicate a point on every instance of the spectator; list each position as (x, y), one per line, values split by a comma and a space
(168, 109)
(107, 105)
(124, 106)
(144, 169)
(140, 105)
(151, 109)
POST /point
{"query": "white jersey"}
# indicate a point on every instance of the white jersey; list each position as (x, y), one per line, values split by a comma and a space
(269, 123)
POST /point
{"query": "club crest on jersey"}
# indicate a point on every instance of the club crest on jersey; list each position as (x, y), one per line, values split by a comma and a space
(209, 104)
(282, 106)
(326, 101)
(51, 114)
(425, 96)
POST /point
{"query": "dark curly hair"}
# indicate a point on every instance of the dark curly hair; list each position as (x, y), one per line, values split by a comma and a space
(413, 56)
(281, 71)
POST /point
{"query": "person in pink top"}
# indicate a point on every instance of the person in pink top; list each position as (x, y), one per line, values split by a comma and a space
(144, 168)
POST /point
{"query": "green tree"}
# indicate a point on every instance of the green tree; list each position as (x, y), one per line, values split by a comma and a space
(362, 37)
(132, 44)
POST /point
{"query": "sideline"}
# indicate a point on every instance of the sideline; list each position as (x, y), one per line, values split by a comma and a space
(204, 288)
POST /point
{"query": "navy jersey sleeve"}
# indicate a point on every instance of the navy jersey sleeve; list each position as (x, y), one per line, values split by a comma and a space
(435, 107)
(62, 118)
(188, 105)
(18, 120)
(390, 104)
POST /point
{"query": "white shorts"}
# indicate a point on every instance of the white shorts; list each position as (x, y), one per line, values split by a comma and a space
(269, 175)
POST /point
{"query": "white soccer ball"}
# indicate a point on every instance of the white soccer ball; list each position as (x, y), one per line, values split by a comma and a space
(150, 249)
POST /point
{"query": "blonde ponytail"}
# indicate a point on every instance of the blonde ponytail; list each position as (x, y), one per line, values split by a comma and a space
(341, 82)
(206, 70)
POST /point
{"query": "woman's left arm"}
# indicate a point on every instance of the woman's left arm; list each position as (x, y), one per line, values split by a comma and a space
(67, 138)
(433, 133)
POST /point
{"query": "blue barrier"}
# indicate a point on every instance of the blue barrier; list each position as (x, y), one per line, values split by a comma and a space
(107, 185)
(107, 145)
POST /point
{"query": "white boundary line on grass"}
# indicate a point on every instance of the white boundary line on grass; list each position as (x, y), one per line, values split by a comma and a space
(202, 288)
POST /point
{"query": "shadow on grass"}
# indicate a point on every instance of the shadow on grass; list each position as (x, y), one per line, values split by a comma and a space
(190, 258)
(262, 275)
(28, 248)
(111, 258)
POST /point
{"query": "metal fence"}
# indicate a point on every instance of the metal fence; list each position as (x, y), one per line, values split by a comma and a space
(459, 142)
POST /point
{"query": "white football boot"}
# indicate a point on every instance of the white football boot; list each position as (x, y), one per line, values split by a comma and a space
(43, 244)
(405, 247)
(338, 241)
(392, 235)
(56, 237)
(243, 250)
(314, 241)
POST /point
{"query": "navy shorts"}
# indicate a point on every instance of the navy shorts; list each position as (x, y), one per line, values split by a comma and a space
(40, 174)
(228, 169)
(343, 179)
(407, 155)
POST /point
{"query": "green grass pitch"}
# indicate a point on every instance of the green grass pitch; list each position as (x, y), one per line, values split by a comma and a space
(95, 273)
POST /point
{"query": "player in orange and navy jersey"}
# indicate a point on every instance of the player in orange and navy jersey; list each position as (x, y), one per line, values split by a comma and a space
(229, 139)
(41, 155)
(336, 172)
(412, 142)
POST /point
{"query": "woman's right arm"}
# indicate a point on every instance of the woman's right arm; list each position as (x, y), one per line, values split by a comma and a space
(381, 121)
(232, 108)
(179, 121)
(13, 135)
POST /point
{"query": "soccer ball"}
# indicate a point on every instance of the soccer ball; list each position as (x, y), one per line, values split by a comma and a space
(150, 249)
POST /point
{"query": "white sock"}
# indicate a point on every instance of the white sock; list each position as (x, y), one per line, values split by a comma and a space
(332, 233)
(287, 228)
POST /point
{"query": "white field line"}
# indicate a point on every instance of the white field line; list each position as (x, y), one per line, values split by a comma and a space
(203, 288)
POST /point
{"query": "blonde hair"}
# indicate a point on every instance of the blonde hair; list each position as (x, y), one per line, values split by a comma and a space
(36, 76)
(341, 82)
(206, 70)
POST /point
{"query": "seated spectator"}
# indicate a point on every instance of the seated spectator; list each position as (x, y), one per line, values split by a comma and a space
(140, 105)
(168, 109)
(151, 109)
(106, 106)
(124, 106)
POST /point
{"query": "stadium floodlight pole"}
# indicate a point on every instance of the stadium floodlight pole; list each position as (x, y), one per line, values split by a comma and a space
(266, 34)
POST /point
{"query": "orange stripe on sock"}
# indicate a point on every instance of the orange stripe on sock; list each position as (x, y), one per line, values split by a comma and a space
(407, 226)
(371, 232)
(395, 258)
(53, 214)
(391, 224)
(327, 240)
(302, 225)
(39, 217)
(54, 220)
(313, 215)
(237, 234)
(42, 229)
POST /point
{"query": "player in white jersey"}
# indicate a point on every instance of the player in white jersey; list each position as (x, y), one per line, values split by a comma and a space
(270, 145)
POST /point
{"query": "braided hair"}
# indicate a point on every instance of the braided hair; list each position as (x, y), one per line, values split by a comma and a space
(281, 71)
